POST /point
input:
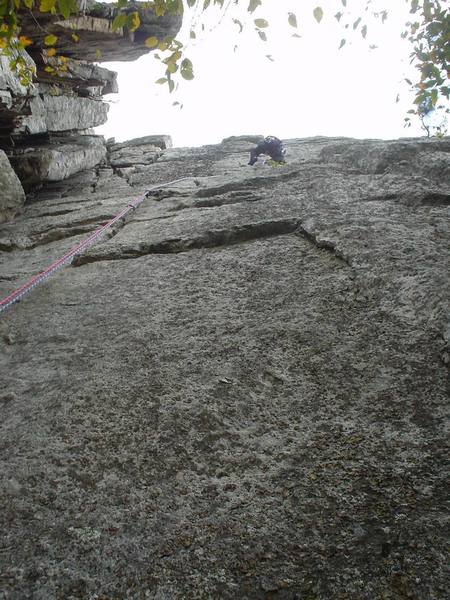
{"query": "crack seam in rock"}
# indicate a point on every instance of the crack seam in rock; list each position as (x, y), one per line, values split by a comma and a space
(323, 244)
(211, 239)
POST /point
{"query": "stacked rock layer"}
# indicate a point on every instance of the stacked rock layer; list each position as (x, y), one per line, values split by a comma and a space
(46, 129)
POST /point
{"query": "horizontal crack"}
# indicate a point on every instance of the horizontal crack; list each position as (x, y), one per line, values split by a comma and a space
(97, 220)
(56, 213)
(436, 199)
(248, 184)
(61, 233)
(210, 239)
(218, 201)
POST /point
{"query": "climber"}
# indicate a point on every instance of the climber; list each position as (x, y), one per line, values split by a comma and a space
(271, 146)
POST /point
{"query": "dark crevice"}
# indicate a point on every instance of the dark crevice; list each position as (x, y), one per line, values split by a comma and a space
(212, 202)
(57, 213)
(431, 199)
(124, 176)
(238, 187)
(249, 184)
(56, 202)
(53, 234)
(218, 201)
(162, 217)
(381, 198)
(61, 233)
(210, 239)
(162, 194)
(23, 243)
(436, 199)
(324, 244)
(98, 219)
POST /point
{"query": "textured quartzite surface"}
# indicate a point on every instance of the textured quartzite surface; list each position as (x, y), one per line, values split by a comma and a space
(241, 392)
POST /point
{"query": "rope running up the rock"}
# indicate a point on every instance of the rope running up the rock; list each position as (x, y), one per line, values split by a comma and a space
(58, 264)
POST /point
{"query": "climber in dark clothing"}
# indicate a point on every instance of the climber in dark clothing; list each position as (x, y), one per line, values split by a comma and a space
(271, 146)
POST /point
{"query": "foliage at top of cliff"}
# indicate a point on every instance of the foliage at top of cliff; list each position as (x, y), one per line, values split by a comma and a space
(428, 32)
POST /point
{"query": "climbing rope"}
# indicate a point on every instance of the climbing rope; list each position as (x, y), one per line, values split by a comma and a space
(58, 264)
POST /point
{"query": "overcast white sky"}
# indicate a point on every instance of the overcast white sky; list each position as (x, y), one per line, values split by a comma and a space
(311, 88)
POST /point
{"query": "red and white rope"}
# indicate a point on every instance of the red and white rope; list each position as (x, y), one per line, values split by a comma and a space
(58, 264)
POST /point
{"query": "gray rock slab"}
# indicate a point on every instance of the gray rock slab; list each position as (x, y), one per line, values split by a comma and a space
(160, 141)
(62, 113)
(242, 392)
(9, 81)
(58, 160)
(84, 76)
(129, 156)
(96, 38)
(12, 196)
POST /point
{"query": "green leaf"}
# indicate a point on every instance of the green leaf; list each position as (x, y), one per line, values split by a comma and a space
(159, 7)
(161, 80)
(318, 13)
(192, 34)
(133, 21)
(186, 69)
(292, 20)
(50, 40)
(47, 5)
(119, 22)
(151, 42)
(261, 23)
(186, 64)
(64, 8)
(253, 5)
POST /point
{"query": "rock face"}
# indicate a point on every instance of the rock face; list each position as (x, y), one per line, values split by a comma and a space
(66, 96)
(97, 39)
(58, 158)
(239, 393)
(12, 196)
